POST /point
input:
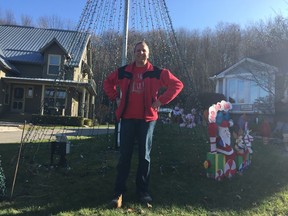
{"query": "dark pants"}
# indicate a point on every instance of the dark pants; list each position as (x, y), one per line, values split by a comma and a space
(132, 130)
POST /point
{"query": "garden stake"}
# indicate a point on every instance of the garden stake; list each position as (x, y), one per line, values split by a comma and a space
(17, 164)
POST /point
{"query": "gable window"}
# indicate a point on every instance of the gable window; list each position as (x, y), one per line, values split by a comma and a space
(54, 62)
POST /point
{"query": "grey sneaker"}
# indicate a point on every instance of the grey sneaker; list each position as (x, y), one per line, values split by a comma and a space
(117, 201)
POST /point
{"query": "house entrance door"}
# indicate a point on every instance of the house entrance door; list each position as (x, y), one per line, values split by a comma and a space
(18, 99)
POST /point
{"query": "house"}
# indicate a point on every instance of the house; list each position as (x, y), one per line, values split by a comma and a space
(249, 85)
(45, 71)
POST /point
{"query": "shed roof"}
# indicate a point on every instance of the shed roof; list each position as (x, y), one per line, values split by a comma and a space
(24, 44)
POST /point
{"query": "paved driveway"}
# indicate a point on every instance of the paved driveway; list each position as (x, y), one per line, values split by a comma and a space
(14, 133)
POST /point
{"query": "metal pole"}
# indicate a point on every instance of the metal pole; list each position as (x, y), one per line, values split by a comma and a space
(125, 33)
(124, 53)
(17, 164)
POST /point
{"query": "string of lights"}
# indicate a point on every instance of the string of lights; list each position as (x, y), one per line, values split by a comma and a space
(149, 20)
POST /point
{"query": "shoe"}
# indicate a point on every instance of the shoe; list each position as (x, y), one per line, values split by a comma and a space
(144, 197)
(117, 201)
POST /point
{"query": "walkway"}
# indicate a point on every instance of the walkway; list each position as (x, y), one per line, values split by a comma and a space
(12, 132)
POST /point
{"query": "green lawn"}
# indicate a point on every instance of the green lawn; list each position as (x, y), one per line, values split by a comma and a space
(178, 182)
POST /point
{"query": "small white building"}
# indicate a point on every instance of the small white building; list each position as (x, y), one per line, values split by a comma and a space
(249, 85)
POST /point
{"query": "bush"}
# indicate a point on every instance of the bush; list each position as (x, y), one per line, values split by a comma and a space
(88, 122)
(57, 120)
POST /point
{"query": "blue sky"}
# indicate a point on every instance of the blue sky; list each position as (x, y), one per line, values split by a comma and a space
(190, 14)
(198, 14)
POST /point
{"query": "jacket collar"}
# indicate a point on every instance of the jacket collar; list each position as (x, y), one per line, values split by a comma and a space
(129, 68)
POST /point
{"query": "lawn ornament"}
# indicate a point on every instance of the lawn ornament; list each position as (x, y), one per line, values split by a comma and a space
(219, 175)
(243, 147)
(190, 118)
(176, 114)
(222, 160)
(265, 130)
(239, 145)
(243, 161)
(248, 139)
(218, 128)
(188, 121)
(214, 165)
(230, 168)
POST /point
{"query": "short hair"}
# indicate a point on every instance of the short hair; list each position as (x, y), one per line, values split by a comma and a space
(141, 42)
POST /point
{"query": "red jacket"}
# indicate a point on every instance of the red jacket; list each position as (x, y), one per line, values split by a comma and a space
(154, 78)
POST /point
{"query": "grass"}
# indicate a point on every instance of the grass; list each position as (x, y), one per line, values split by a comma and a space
(178, 182)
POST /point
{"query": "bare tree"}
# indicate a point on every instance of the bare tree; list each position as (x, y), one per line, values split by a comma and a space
(26, 20)
(55, 22)
(9, 18)
(226, 42)
(43, 22)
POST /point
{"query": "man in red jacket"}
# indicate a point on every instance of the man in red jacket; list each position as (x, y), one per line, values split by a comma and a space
(137, 111)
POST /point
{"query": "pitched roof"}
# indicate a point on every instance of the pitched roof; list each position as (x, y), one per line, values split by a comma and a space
(5, 64)
(242, 63)
(24, 44)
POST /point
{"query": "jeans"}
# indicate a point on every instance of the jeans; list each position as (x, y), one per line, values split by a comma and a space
(132, 130)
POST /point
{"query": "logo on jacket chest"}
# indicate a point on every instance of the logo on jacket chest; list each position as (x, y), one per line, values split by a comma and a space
(137, 84)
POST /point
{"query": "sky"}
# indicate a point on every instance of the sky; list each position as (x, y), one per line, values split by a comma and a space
(189, 14)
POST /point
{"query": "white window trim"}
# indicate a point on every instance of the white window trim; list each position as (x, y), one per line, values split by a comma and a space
(48, 66)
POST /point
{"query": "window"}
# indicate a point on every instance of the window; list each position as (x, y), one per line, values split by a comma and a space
(55, 100)
(7, 95)
(61, 94)
(244, 91)
(241, 97)
(254, 91)
(18, 93)
(29, 92)
(231, 90)
(220, 86)
(54, 62)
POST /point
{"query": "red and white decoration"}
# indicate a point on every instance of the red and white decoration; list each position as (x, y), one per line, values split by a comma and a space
(230, 168)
